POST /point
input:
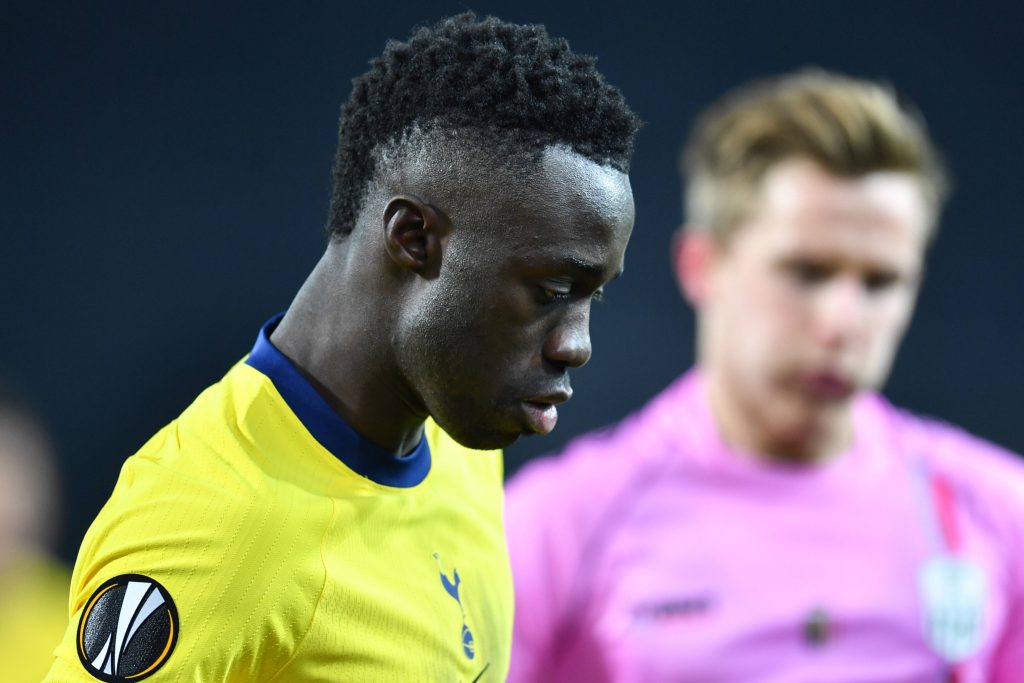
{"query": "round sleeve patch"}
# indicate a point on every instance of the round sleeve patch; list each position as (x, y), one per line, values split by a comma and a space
(128, 629)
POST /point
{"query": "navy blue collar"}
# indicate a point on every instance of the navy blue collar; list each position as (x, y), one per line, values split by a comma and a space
(327, 427)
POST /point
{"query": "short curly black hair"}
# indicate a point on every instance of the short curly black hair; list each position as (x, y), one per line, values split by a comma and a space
(511, 81)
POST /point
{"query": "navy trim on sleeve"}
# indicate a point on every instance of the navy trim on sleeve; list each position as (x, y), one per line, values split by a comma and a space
(329, 428)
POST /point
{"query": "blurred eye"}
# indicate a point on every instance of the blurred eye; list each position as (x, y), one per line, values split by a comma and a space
(807, 273)
(876, 282)
(598, 295)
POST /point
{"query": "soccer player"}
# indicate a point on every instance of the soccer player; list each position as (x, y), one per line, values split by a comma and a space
(318, 514)
(769, 516)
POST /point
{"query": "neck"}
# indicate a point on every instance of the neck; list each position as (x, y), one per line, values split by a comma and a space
(801, 436)
(337, 333)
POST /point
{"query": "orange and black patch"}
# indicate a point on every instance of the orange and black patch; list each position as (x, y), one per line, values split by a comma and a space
(128, 629)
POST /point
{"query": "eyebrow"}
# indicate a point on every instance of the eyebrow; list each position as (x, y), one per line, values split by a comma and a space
(592, 269)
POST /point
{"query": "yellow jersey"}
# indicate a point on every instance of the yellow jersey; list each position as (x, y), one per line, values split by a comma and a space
(33, 614)
(259, 538)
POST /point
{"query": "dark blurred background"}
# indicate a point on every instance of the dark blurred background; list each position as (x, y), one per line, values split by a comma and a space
(166, 171)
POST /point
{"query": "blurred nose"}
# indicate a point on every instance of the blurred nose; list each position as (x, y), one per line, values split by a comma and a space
(840, 312)
(568, 344)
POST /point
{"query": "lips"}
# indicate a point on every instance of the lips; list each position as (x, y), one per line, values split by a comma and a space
(827, 385)
(541, 412)
(540, 417)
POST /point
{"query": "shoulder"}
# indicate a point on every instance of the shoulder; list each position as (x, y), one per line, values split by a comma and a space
(236, 549)
(965, 458)
(200, 495)
(986, 477)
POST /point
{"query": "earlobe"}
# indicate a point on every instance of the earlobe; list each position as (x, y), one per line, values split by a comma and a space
(693, 251)
(412, 232)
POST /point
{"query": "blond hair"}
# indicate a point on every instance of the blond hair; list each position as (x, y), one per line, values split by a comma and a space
(851, 127)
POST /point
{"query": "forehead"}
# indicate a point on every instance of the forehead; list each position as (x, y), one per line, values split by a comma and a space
(569, 207)
(804, 208)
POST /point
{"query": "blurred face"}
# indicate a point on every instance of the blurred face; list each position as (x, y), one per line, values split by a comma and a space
(807, 303)
(13, 509)
(25, 489)
(490, 344)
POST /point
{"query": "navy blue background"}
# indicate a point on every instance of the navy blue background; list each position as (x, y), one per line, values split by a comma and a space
(166, 172)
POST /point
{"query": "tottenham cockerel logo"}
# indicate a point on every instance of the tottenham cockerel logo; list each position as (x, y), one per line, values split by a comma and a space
(128, 629)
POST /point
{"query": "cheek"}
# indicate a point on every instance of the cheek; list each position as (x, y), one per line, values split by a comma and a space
(435, 342)
(765, 319)
(886, 328)
(482, 337)
(510, 328)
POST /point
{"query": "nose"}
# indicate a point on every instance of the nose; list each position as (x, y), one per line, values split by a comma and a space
(568, 344)
(840, 312)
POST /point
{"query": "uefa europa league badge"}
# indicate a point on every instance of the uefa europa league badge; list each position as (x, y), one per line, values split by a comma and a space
(954, 591)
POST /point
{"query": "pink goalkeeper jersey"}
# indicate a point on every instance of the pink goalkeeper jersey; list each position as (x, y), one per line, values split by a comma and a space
(652, 552)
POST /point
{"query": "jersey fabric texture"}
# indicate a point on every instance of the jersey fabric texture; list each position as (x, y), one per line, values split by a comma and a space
(295, 550)
(653, 552)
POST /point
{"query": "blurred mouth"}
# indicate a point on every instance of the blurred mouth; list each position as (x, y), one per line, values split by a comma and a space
(541, 412)
(827, 386)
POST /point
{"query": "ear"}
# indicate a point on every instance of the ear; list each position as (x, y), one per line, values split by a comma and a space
(693, 254)
(414, 232)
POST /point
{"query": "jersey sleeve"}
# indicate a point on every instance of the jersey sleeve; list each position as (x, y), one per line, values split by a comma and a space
(188, 578)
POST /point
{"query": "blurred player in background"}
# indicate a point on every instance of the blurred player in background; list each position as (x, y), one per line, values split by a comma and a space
(33, 585)
(769, 516)
(318, 515)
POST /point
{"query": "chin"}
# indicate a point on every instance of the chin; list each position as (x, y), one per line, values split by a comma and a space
(478, 439)
(487, 443)
(808, 418)
(812, 424)
(496, 442)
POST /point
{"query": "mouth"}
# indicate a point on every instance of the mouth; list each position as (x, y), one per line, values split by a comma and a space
(542, 412)
(827, 386)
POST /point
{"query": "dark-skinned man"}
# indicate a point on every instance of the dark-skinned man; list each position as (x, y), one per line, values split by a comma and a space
(319, 514)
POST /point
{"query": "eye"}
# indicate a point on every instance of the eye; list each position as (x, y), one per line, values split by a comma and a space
(880, 281)
(807, 273)
(555, 291)
(551, 292)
